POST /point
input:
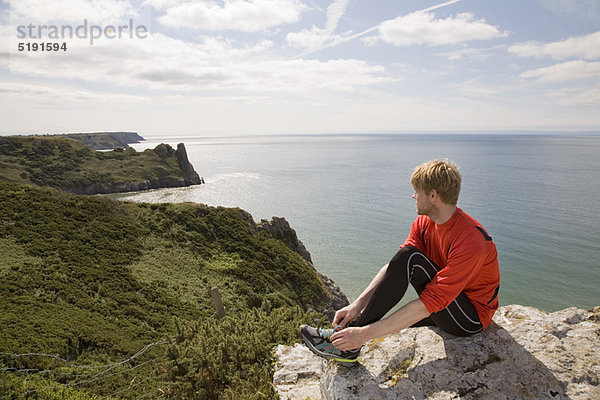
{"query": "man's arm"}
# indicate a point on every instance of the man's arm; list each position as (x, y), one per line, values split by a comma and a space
(349, 313)
(354, 337)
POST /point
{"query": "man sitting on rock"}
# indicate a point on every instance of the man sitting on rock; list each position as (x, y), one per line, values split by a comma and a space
(448, 258)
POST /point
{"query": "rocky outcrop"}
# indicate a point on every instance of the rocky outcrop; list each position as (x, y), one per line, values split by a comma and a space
(526, 354)
(190, 177)
(164, 151)
(336, 299)
(280, 229)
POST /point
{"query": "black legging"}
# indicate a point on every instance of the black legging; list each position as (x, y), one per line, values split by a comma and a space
(409, 265)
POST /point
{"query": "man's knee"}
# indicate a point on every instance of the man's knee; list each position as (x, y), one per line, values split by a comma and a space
(422, 270)
(398, 267)
(403, 255)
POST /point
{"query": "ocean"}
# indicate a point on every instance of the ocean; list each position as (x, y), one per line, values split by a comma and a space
(349, 199)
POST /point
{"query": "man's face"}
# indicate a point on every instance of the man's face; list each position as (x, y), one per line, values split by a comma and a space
(423, 201)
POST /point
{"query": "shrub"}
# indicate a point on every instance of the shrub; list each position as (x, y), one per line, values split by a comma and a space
(229, 358)
(92, 281)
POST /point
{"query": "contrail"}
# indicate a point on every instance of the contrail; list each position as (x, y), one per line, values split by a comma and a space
(439, 6)
(352, 37)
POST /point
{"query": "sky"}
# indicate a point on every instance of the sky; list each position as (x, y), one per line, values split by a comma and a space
(193, 68)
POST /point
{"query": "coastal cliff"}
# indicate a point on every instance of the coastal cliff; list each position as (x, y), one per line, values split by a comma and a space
(67, 164)
(280, 229)
(190, 177)
(526, 354)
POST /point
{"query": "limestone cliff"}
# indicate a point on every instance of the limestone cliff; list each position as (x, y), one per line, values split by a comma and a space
(190, 177)
(526, 354)
(280, 229)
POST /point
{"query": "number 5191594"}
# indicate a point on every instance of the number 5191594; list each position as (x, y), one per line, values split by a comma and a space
(44, 46)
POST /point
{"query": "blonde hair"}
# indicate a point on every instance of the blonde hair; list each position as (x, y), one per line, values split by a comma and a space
(441, 175)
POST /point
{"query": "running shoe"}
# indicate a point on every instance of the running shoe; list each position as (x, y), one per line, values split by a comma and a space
(318, 341)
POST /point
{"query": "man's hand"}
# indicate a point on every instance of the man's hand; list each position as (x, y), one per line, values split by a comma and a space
(354, 337)
(349, 338)
(346, 315)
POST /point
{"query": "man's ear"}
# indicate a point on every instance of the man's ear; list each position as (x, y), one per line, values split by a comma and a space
(434, 194)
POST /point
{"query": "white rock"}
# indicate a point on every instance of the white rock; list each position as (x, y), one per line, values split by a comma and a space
(297, 373)
(526, 354)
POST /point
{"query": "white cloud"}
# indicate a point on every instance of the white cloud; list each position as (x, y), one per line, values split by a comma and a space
(211, 66)
(64, 93)
(335, 12)
(577, 96)
(40, 11)
(6, 33)
(304, 76)
(586, 47)
(316, 37)
(473, 88)
(237, 15)
(420, 28)
(370, 41)
(469, 52)
(566, 71)
(307, 38)
(162, 4)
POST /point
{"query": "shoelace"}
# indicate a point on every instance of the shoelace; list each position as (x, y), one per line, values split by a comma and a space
(327, 333)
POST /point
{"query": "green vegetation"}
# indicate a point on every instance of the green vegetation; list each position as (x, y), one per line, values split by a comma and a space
(67, 164)
(112, 298)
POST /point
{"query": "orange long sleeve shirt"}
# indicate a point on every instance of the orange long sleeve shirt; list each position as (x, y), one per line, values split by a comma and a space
(468, 260)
